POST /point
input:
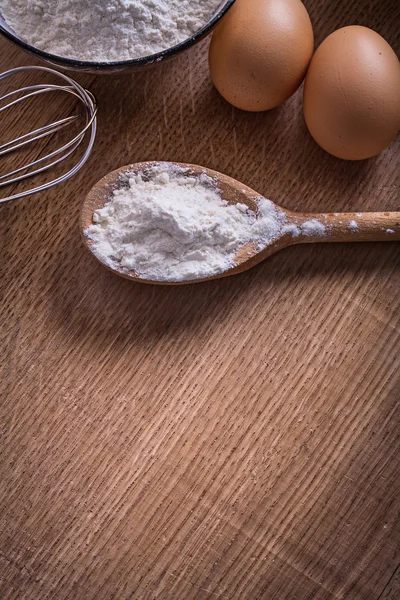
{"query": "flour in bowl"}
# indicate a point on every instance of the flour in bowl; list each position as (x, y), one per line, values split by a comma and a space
(106, 30)
(165, 225)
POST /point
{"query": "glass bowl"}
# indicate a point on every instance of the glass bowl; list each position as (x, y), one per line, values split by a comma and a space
(120, 66)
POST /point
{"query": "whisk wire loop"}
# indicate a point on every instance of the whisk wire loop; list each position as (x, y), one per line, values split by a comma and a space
(87, 133)
(28, 138)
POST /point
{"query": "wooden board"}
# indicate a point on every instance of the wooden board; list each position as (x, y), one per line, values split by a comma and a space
(238, 439)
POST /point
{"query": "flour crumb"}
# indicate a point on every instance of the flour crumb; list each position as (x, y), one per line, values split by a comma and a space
(313, 227)
(167, 225)
(390, 231)
(291, 229)
(353, 225)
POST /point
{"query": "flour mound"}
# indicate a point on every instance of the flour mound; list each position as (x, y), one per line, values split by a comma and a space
(167, 226)
(106, 30)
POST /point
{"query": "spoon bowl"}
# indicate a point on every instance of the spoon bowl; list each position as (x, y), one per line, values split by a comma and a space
(299, 227)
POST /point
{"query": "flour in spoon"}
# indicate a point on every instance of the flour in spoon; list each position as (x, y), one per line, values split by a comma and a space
(106, 30)
(165, 225)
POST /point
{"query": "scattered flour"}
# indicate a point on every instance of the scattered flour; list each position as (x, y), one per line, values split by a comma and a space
(106, 30)
(390, 231)
(165, 225)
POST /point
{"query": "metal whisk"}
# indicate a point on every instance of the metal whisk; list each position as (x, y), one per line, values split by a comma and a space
(86, 134)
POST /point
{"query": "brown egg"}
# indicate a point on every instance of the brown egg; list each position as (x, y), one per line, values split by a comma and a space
(260, 51)
(352, 94)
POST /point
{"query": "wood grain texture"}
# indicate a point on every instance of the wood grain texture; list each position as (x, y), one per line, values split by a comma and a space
(238, 439)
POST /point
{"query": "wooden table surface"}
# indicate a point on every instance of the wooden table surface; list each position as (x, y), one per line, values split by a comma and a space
(238, 439)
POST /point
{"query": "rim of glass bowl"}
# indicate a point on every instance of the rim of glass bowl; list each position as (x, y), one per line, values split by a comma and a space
(134, 62)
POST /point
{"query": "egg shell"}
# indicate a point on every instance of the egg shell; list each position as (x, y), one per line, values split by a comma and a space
(352, 94)
(260, 52)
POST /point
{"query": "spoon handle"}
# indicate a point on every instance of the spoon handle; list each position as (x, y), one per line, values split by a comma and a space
(347, 227)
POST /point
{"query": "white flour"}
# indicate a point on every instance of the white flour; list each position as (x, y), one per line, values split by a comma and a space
(106, 30)
(166, 226)
(313, 228)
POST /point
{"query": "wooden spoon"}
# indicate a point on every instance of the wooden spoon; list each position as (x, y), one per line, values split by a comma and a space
(339, 227)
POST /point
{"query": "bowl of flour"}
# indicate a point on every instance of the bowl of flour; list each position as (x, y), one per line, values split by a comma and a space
(108, 35)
